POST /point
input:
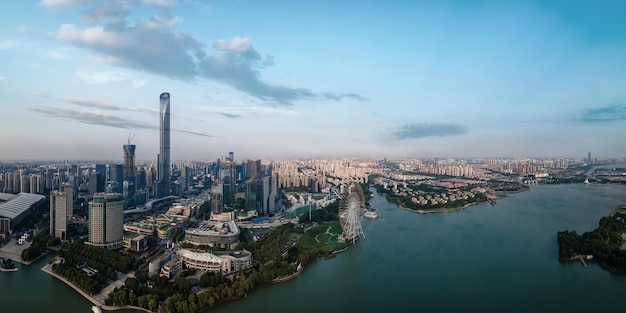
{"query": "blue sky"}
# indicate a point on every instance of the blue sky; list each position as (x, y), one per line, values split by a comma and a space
(294, 79)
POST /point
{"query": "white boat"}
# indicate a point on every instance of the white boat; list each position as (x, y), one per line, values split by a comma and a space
(371, 214)
(96, 309)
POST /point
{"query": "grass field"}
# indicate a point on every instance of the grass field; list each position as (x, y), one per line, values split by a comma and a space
(323, 237)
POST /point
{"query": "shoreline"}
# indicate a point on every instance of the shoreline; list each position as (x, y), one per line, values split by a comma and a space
(444, 210)
(288, 277)
(48, 269)
(298, 272)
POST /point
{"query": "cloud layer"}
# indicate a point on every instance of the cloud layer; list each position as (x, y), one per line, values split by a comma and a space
(155, 46)
(610, 113)
(421, 130)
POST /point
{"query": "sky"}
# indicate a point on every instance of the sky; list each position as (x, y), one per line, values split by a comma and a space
(313, 79)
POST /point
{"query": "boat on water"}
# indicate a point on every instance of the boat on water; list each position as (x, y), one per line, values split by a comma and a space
(6, 265)
(96, 309)
(371, 213)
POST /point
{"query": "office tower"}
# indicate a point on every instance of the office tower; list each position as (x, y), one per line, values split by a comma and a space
(116, 173)
(96, 183)
(102, 169)
(217, 197)
(589, 158)
(49, 175)
(254, 169)
(140, 179)
(128, 191)
(58, 214)
(266, 194)
(273, 194)
(75, 170)
(226, 173)
(163, 175)
(233, 180)
(150, 177)
(61, 175)
(185, 175)
(106, 220)
(129, 162)
(68, 190)
(61, 207)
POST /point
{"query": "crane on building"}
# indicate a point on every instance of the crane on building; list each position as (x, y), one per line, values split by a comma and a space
(131, 136)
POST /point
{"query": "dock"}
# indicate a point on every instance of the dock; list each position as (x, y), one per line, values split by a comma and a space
(581, 258)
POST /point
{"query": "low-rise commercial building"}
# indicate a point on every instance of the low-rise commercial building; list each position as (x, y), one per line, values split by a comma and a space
(220, 234)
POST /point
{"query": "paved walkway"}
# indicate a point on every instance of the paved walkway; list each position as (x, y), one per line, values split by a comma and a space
(97, 299)
(13, 251)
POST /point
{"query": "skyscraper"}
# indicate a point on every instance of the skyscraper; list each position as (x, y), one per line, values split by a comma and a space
(129, 162)
(163, 175)
(58, 214)
(116, 173)
(106, 220)
(128, 186)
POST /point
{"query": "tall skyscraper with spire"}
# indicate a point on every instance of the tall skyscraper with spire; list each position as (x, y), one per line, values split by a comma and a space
(129, 161)
(163, 175)
(128, 186)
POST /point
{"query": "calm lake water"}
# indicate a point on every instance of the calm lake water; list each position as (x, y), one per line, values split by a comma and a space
(501, 258)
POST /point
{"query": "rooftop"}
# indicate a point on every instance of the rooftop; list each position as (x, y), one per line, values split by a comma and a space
(18, 204)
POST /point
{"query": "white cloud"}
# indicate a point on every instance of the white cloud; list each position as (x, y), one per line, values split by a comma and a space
(63, 3)
(157, 22)
(154, 46)
(92, 36)
(235, 44)
(108, 106)
(2, 78)
(101, 77)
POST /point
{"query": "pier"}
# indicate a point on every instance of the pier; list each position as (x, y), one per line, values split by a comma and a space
(581, 258)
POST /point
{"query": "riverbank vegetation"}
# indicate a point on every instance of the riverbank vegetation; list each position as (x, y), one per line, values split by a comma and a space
(77, 255)
(38, 246)
(279, 253)
(604, 243)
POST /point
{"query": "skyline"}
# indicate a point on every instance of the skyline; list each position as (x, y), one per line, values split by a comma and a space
(313, 80)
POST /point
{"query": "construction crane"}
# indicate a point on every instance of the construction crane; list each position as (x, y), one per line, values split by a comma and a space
(130, 137)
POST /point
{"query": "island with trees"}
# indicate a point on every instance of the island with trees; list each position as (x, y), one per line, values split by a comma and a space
(606, 244)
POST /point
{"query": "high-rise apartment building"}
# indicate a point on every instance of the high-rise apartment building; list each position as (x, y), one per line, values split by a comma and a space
(106, 220)
(163, 175)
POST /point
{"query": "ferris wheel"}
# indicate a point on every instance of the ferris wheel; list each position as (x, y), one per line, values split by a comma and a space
(351, 209)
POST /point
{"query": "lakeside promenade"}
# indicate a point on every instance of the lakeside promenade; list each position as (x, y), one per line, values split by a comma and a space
(97, 299)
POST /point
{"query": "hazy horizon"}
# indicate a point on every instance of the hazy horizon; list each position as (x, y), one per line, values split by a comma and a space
(293, 80)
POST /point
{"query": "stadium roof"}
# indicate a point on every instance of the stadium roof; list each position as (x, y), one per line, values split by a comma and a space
(19, 204)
